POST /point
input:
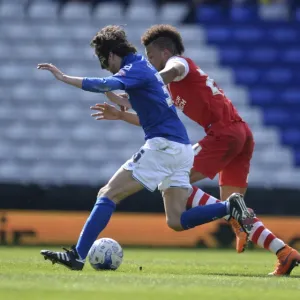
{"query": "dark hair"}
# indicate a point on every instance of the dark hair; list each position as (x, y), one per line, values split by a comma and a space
(165, 37)
(113, 39)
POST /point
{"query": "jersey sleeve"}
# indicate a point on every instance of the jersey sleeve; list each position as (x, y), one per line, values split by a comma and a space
(183, 62)
(131, 77)
(101, 85)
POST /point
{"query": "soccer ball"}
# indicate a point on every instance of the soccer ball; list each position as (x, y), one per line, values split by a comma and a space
(105, 254)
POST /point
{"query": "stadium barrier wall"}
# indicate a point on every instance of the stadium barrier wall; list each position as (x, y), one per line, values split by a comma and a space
(265, 201)
(132, 229)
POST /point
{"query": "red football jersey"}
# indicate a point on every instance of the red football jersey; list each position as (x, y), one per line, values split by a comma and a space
(201, 100)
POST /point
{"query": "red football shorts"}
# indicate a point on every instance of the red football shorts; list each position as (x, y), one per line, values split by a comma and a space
(227, 151)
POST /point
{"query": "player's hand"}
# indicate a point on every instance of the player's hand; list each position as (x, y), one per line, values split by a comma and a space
(106, 112)
(58, 74)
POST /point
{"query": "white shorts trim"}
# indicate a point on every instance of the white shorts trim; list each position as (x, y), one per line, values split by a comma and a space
(196, 148)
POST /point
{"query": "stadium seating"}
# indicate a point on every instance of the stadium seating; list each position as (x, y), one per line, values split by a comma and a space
(265, 57)
(49, 136)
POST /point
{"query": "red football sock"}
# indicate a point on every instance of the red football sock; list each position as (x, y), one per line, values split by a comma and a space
(199, 197)
(264, 238)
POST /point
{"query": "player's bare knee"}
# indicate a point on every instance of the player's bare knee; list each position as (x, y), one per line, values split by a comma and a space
(174, 224)
(110, 193)
(103, 191)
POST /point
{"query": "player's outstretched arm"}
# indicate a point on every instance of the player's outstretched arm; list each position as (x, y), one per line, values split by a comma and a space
(120, 99)
(59, 75)
(109, 112)
(172, 70)
(96, 85)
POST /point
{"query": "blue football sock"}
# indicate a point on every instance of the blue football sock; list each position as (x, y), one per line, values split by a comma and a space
(97, 221)
(203, 214)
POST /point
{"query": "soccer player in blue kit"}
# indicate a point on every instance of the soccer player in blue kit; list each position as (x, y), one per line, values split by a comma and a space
(164, 161)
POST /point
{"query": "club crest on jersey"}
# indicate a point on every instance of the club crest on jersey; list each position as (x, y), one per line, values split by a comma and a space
(180, 103)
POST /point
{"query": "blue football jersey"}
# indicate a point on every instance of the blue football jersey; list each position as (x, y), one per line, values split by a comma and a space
(151, 100)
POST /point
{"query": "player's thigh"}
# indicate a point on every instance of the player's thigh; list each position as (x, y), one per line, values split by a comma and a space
(179, 165)
(213, 154)
(120, 186)
(196, 176)
(236, 173)
(175, 190)
(149, 167)
(234, 176)
(175, 204)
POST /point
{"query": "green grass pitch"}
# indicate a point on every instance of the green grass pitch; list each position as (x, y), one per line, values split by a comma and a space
(166, 274)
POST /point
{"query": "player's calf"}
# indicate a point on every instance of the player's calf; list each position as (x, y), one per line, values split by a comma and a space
(174, 202)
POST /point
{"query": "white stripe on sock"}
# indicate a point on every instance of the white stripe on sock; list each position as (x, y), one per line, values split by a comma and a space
(263, 237)
(197, 197)
(276, 244)
(211, 200)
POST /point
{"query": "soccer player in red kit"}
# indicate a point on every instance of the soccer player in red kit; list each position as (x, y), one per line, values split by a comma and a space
(228, 145)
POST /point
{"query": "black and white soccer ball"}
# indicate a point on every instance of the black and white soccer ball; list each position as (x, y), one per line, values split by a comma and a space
(105, 254)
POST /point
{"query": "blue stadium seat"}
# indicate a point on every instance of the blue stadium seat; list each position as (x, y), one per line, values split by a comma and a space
(280, 76)
(296, 117)
(248, 34)
(291, 96)
(262, 55)
(243, 13)
(209, 13)
(291, 55)
(247, 76)
(283, 34)
(297, 157)
(278, 117)
(298, 14)
(231, 55)
(291, 137)
(218, 35)
(262, 96)
(282, 116)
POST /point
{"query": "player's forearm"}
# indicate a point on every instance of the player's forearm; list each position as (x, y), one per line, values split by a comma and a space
(122, 101)
(169, 74)
(75, 81)
(131, 118)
